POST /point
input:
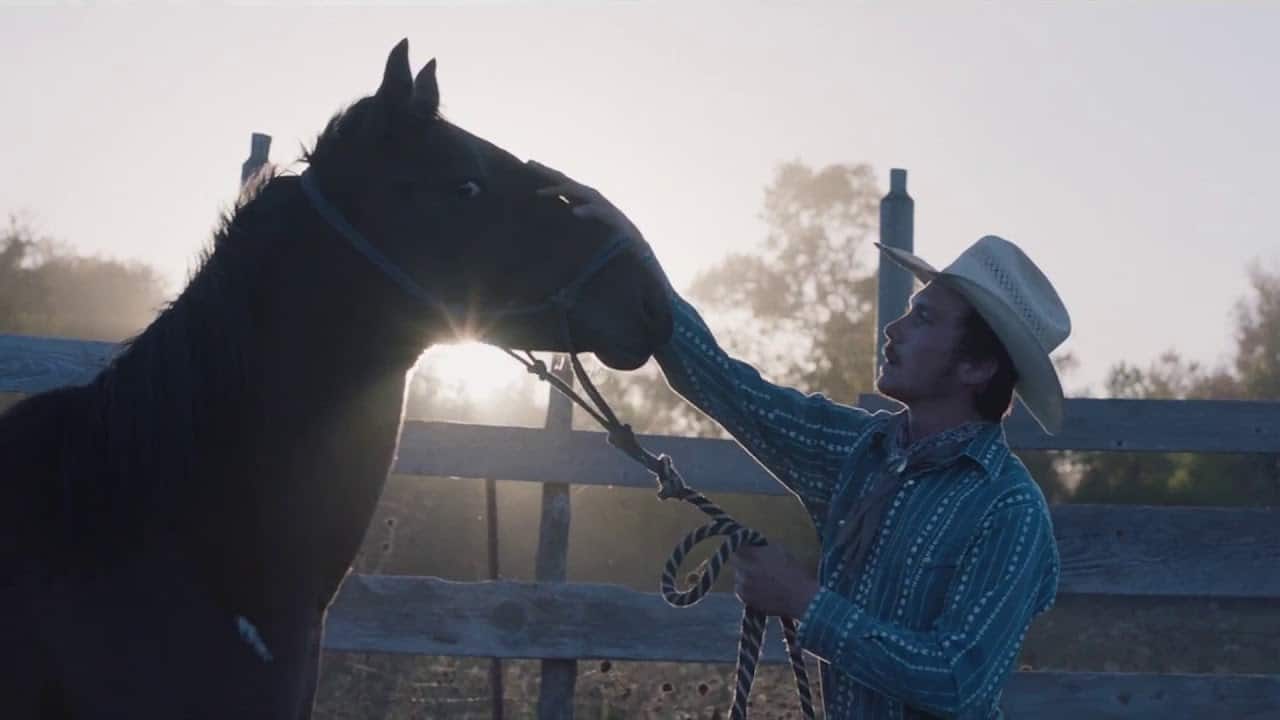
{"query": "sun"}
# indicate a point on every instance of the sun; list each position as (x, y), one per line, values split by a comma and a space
(477, 371)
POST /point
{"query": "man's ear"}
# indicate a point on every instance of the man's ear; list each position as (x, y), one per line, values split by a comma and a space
(977, 373)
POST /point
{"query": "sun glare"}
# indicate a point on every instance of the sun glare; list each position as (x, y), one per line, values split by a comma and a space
(479, 372)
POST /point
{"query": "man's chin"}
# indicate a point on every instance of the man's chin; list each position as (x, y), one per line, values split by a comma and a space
(889, 389)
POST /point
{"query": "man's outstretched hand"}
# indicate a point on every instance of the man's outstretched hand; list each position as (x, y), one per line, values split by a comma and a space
(768, 579)
(587, 202)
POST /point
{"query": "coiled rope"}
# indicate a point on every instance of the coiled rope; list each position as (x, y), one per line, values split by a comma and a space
(671, 485)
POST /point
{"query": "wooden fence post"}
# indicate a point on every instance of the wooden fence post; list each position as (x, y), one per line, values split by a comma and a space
(897, 220)
(555, 696)
(496, 692)
(259, 150)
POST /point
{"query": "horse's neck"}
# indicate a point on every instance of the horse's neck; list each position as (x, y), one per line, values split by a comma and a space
(323, 449)
(291, 459)
(263, 343)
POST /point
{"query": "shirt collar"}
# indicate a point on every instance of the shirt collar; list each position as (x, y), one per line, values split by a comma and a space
(988, 448)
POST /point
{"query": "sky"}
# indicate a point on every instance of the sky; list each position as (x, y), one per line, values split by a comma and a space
(1129, 148)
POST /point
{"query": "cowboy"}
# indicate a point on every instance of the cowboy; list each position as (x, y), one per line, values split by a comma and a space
(937, 546)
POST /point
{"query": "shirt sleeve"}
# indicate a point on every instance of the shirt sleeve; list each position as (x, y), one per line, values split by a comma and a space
(957, 667)
(801, 439)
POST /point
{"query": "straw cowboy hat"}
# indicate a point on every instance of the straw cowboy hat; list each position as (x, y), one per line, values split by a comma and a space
(1019, 304)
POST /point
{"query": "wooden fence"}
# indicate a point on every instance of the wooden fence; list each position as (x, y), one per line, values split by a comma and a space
(1125, 552)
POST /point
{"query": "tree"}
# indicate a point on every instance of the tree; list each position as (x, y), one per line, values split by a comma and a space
(45, 289)
(1198, 479)
(809, 296)
(800, 307)
(1258, 336)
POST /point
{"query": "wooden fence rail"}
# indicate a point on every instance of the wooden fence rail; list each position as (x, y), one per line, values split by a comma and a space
(428, 616)
(34, 364)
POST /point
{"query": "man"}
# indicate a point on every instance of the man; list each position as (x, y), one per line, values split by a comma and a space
(937, 546)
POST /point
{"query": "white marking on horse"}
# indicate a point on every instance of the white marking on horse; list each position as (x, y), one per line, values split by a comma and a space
(249, 633)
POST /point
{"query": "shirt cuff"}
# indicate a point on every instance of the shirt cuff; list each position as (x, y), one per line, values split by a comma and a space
(828, 622)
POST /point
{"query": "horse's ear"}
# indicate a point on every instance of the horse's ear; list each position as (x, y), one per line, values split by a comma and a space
(397, 80)
(426, 92)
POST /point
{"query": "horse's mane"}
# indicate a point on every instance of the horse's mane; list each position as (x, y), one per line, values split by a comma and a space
(334, 133)
(144, 415)
(143, 411)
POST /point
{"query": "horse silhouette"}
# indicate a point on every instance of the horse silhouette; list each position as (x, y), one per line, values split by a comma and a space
(175, 529)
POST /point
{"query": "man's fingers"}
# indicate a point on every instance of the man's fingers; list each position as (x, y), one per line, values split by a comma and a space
(548, 171)
(573, 192)
(559, 189)
(590, 210)
(562, 182)
(746, 564)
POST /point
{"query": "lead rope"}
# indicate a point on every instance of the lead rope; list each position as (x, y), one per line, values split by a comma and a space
(671, 485)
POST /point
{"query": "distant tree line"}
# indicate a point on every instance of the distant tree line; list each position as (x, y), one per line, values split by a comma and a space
(45, 289)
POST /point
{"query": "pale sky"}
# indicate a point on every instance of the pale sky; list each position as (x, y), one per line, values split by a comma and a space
(1129, 148)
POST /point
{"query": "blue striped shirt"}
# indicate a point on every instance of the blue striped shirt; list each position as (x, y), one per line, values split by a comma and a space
(964, 559)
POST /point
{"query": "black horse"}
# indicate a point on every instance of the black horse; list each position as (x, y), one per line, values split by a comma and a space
(175, 530)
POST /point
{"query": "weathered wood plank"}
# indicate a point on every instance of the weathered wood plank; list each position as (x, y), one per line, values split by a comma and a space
(1141, 696)
(30, 364)
(577, 457)
(511, 619)
(429, 616)
(1171, 551)
(446, 449)
(1223, 552)
(1206, 426)
(35, 364)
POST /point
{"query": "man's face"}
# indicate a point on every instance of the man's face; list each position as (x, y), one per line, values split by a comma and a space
(920, 355)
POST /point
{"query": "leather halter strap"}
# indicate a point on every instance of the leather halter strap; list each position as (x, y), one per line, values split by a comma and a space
(562, 300)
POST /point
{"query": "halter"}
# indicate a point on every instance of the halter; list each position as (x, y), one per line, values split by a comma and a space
(670, 483)
(562, 300)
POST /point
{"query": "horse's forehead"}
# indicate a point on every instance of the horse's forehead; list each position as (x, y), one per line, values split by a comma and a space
(473, 149)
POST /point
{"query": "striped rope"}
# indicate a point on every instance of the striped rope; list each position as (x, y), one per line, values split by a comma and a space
(751, 639)
(672, 485)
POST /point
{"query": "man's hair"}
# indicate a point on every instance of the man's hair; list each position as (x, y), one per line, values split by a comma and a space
(978, 342)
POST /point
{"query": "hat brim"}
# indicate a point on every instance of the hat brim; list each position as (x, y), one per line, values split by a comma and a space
(1038, 386)
(913, 264)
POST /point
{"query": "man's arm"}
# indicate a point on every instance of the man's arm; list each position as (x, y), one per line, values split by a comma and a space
(802, 439)
(957, 668)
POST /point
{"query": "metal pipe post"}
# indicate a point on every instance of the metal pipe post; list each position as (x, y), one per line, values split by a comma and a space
(897, 227)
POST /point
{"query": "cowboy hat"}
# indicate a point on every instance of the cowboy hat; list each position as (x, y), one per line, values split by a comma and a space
(1020, 305)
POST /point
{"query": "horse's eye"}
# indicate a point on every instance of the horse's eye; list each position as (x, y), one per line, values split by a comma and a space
(468, 189)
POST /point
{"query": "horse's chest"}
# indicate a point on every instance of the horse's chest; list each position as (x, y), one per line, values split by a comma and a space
(283, 531)
(147, 640)
(330, 510)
